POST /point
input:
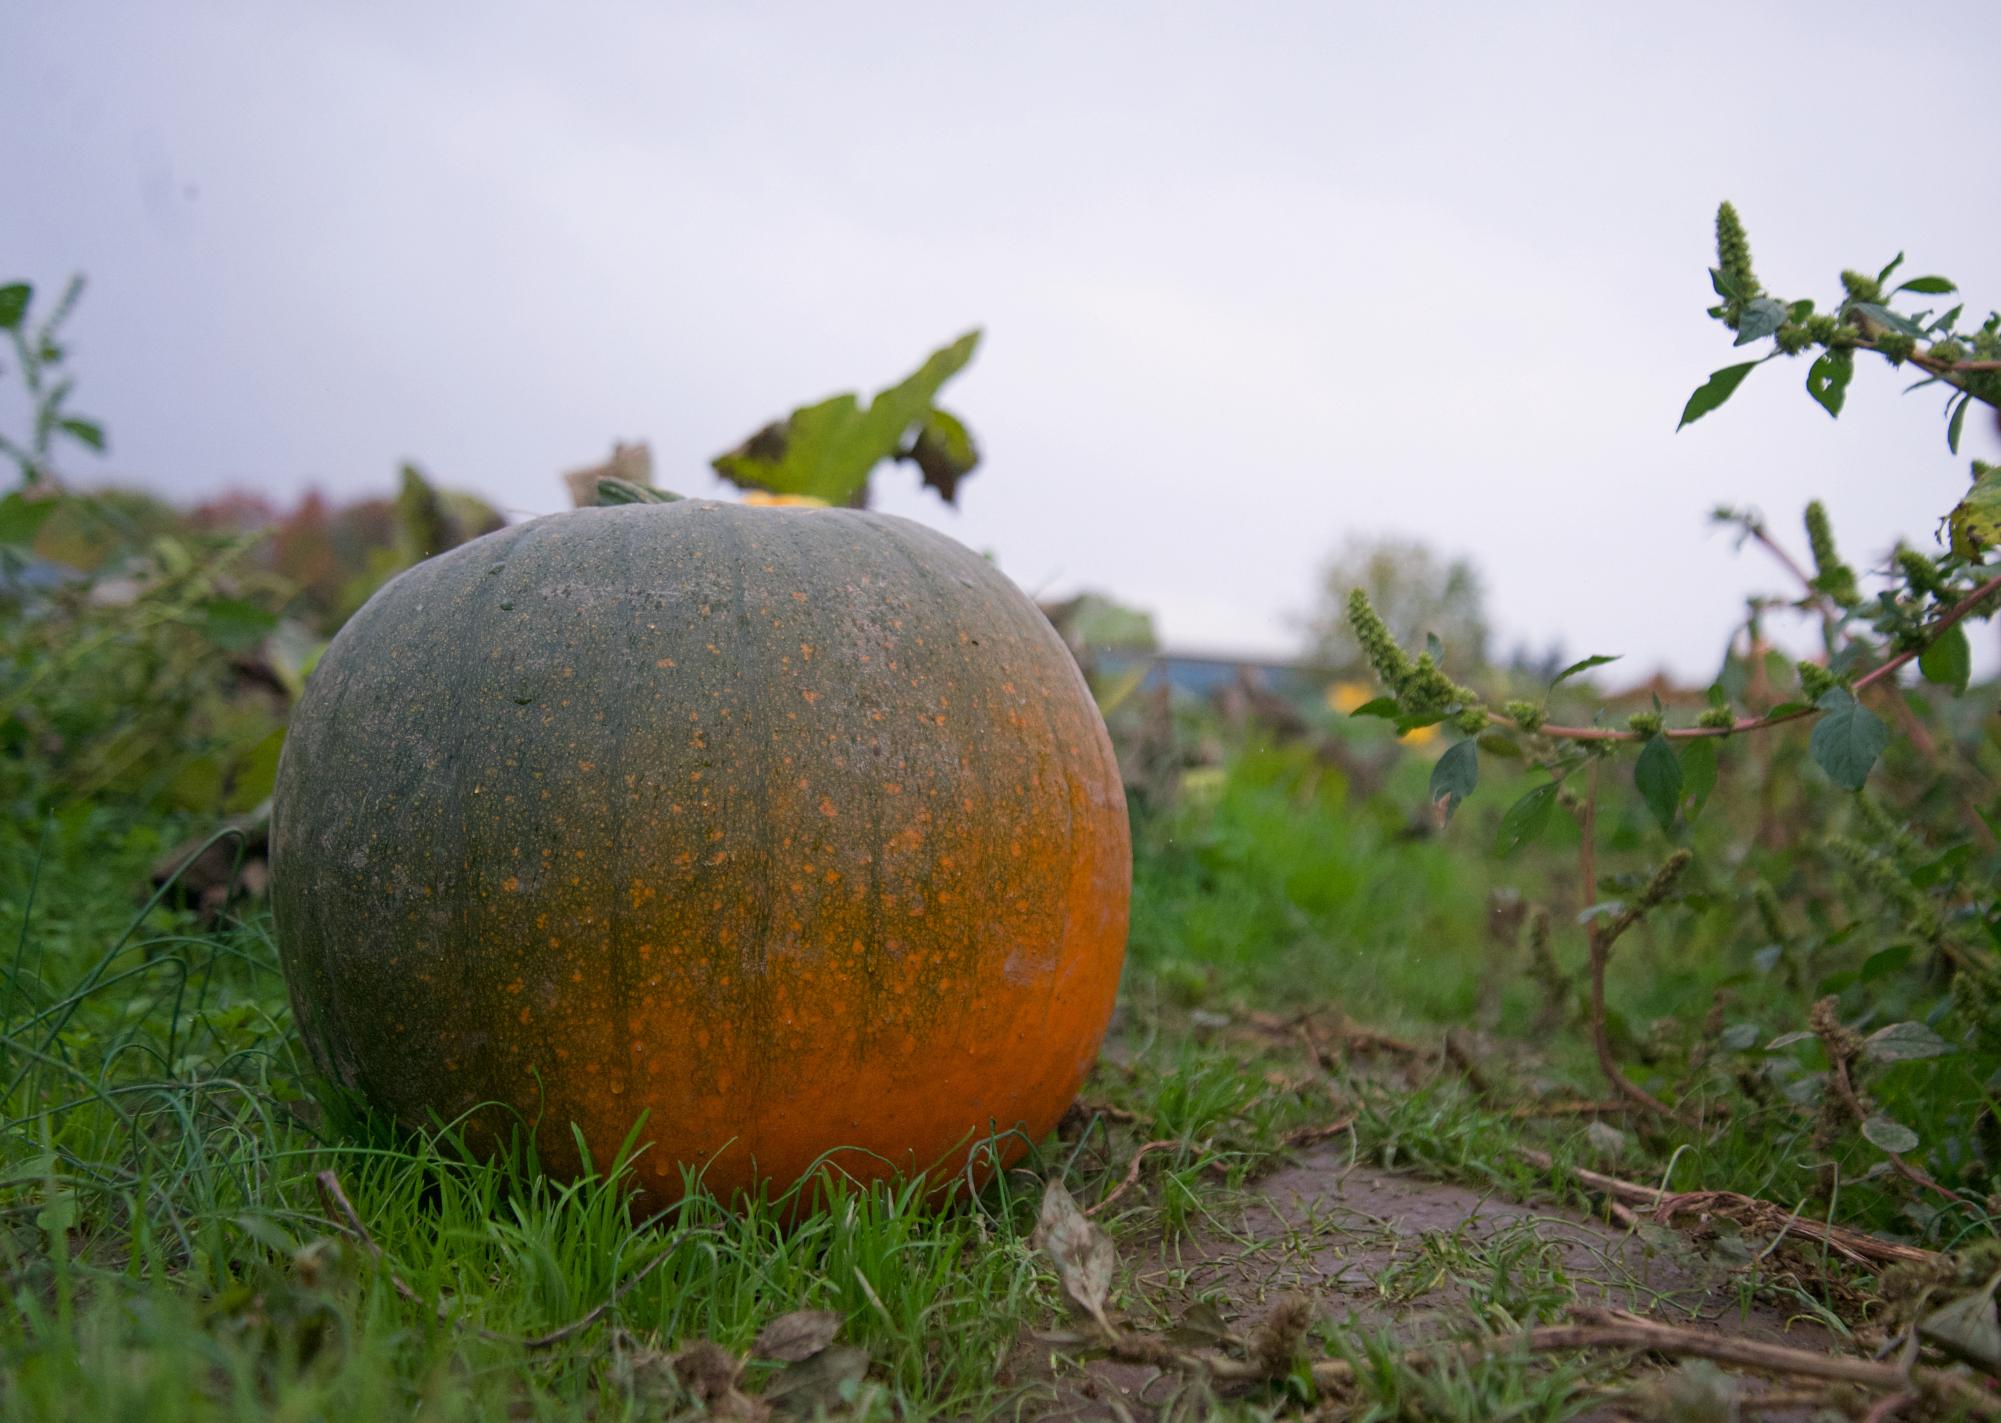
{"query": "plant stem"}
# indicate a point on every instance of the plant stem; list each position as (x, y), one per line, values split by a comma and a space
(1600, 947)
(1943, 623)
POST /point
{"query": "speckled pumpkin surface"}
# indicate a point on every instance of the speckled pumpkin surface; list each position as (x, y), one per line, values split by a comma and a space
(793, 830)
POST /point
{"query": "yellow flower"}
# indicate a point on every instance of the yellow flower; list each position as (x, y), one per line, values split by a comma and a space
(1344, 697)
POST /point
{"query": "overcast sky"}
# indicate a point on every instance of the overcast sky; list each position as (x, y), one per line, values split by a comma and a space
(1253, 277)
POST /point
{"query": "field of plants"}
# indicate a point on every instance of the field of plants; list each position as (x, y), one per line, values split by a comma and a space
(1493, 1041)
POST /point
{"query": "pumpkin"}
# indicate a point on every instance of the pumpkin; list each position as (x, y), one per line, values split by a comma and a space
(789, 836)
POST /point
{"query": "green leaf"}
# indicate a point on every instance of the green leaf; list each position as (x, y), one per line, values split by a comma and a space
(1499, 743)
(1525, 820)
(1713, 392)
(1927, 286)
(1974, 525)
(233, 624)
(1956, 423)
(255, 773)
(1455, 775)
(1658, 775)
(1946, 865)
(1827, 379)
(1847, 739)
(88, 432)
(826, 451)
(21, 517)
(1885, 962)
(1884, 275)
(1583, 665)
(1886, 1134)
(1800, 310)
(14, 298)
(1384, 707)
(1904, 1042)
(1762, 316)
(1883, 316)
(1948, 662)
(1698, 774)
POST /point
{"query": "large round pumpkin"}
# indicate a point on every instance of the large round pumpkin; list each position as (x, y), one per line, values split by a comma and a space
(787, 830)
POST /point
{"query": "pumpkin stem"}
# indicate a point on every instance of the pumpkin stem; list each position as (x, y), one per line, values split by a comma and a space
(624, 491)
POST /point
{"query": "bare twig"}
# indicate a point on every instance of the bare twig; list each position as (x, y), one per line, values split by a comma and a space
(1593, 1330)
(1314, 1135)
(1748, 1210)
(1132, 1172)
(1569, 1109)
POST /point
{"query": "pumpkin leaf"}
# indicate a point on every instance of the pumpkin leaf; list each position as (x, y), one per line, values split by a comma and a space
(943, 452)
(827, 450)
(796, 1336)
(1082, 1253)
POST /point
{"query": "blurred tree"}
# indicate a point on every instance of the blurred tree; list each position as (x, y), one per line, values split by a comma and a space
(1419, 592)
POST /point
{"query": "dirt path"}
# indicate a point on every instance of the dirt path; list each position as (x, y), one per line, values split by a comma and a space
(1377, 1251)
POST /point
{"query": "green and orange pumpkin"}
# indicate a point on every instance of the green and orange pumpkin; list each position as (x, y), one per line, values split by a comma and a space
(793, 832)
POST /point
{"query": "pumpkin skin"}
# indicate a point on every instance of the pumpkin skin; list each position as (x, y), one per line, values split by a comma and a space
(796, 831)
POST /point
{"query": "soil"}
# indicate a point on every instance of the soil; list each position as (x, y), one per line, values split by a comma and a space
(1372, 1250)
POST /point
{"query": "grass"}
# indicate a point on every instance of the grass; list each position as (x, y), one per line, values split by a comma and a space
(167, 1252)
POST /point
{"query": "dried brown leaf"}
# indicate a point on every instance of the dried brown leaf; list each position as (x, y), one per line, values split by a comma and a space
(827, 1381)
(796, 1336)
(1082, 1253)
(707, 1371)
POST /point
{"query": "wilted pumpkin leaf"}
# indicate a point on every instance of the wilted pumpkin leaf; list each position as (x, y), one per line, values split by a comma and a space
(827, 450)
(944, 453)
(1083, 1253)
(796, 1336)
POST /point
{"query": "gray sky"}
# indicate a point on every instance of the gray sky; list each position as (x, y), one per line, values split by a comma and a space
(1253, 276)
